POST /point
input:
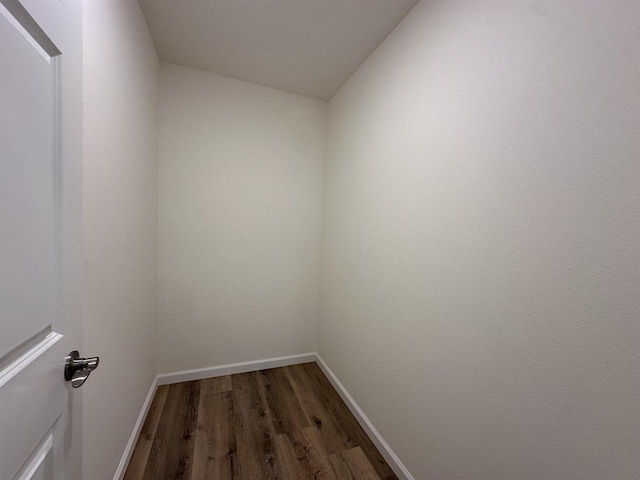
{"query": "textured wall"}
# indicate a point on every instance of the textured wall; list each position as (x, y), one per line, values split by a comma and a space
(481, 262)
(240, 206)
(120, 226)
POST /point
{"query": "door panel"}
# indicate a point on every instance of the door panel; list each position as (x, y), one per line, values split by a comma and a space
(41, 466)
(46, 458)
(31, 400)
(27, 165)
(40, 237)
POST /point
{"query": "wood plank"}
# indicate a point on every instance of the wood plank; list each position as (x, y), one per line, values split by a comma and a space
(217, 384)
(215, 444)
(353, 464)
(225, 428)
(140, 455)
(172, 451)
(284, 408)
(339, 411)
(302, 455)
(254, 430)
(340, 468)
(335, 437)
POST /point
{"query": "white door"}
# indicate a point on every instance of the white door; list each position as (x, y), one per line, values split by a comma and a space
(40, 237)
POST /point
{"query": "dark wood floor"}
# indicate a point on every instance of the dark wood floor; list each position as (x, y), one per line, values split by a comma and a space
(282, 423)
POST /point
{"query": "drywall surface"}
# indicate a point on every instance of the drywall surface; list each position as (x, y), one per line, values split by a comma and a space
(240, 208)
(309, 47)
(481, 253)
(120, 226)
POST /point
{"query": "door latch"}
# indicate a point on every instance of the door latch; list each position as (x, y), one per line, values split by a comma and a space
(77, 369)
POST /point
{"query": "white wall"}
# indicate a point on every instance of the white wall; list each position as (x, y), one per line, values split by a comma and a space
(240, 207)
(120, 226)
(481, 263)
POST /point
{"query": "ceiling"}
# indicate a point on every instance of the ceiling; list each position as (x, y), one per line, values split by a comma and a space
(310, 47)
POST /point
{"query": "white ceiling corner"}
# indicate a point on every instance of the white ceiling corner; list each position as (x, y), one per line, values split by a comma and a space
(310, 47)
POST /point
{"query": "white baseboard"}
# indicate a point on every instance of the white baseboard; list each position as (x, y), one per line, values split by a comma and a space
(392, 459)
(199, 373)
(233, 368)
(137, 428)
